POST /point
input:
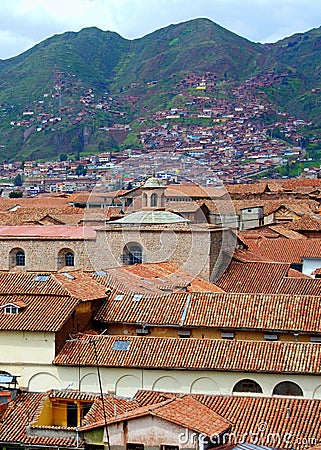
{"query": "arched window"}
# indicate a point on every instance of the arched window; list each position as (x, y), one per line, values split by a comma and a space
(247, 386)
(20, 258)
(17, 258)
(288, 388)
(66, 258)
(132, 254)
(144, 200)
(69, 259)
(153, 200)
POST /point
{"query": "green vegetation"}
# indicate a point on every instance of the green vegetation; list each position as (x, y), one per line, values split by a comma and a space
(67, 75)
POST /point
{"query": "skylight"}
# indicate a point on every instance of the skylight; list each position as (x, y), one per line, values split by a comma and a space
(121, 345)
(137, 297)
(100, 273)
(41, 278)
(119, 297)
(67, 275)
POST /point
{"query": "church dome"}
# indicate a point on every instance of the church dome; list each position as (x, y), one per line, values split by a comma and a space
(153, 183)
(151, 217)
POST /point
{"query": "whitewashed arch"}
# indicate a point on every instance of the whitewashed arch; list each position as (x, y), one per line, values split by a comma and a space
(127, 386)
(204, 385)
(317, 392)
(167, 384)
(89, 382)
(43, 381)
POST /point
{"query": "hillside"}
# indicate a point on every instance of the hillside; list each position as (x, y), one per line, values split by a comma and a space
(63, 95)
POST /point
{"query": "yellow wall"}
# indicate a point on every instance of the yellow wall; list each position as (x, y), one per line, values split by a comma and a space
(201, 333)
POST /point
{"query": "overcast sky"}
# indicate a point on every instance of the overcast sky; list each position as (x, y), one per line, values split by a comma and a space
(24, 23)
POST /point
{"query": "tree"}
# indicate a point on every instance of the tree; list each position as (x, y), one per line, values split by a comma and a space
(63, 157)
(18, 180)
(81, 170)
(15, 194)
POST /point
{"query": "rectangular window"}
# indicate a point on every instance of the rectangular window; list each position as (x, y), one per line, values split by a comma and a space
(227, 335)
(184, 333)
(271, 337)
(169, 447)
(131, 446)
(71, 415)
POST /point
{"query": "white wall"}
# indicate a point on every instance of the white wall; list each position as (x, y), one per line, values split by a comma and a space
(125, 382)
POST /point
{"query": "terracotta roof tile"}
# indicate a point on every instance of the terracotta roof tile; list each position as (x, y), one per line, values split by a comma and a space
(197, 354)
(17, 417)
(257, 277)
(41, 313)
(285, 250)
(153, 278)
(295, 421)
(217, 310)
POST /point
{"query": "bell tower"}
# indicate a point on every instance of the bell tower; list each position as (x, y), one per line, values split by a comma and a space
(153, 194)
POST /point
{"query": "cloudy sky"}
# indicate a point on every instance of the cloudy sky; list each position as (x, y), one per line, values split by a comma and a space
(24, 23)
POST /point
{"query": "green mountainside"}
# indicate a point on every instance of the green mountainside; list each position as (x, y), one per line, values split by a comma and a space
(62, 95)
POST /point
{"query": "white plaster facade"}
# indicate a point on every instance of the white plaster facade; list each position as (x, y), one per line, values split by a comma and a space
(36, 376)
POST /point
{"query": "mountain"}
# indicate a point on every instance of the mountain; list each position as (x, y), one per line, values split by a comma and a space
(58, 96)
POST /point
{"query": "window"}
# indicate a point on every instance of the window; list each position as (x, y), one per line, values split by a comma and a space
(119, 297)
(131, 446)
(169, 447)
(71, 415)
(153, 200)
(132, 254)
(227, 335)
(271, 336)
(135, 255)
(68, 275)
(247, 386)
(11, 309)
(41, 278)
(287, 388)
(20, 258)
(184, 333)
(121, 345)
(69, 259)
(137, 297)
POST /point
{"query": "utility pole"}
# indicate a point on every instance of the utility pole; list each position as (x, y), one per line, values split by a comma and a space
(101, 392)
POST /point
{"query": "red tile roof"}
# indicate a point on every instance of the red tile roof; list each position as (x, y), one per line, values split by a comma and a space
(18, 415)
(184, 411)
(192, 354)
(76, 284)
(294, 422)
(285, 250)
(215, 310)
(153, 278)
(257, 277)
(41, 313)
